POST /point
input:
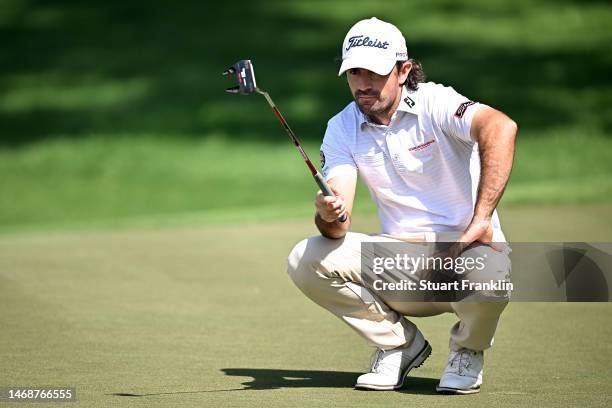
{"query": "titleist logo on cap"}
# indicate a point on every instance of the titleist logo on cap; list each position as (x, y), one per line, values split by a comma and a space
(361, 41)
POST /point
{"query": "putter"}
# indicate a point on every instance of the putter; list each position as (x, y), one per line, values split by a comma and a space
(247, 85)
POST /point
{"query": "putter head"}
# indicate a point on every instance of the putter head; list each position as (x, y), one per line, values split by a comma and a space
(245, 76)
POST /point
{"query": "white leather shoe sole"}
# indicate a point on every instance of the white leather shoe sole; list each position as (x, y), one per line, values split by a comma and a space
(415, 363)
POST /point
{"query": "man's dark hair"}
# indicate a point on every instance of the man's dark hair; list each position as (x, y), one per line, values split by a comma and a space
(416, 75)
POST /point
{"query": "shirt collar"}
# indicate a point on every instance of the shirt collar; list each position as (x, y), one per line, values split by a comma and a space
(408, 103)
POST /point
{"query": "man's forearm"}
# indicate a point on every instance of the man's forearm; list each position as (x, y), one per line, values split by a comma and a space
(496, 145)
(333, 230)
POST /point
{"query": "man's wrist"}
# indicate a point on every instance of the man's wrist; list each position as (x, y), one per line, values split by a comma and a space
(481, 214)
(481, 218)
(326, 225)
(332, 229)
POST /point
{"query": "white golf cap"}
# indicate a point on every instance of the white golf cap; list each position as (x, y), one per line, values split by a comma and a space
(373, 44)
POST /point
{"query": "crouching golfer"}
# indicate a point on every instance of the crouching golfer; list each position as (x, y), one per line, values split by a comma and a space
(436, 165)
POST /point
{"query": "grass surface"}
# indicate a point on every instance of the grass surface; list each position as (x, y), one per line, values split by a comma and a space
(207, 317)
(116, 180)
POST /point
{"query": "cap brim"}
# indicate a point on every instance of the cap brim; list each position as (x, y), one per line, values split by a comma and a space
(377, 65)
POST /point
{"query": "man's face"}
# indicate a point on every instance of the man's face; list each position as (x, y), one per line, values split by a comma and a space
(375, 94)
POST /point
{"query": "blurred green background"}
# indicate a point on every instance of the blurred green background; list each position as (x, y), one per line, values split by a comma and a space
(114, 112)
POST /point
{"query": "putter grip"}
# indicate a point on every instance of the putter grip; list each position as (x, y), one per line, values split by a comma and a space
(327, 191)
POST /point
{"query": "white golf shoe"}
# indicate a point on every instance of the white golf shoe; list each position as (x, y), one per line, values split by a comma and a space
(463, 374)
(389, 368)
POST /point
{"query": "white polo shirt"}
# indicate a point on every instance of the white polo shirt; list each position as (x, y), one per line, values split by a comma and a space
(422, 170)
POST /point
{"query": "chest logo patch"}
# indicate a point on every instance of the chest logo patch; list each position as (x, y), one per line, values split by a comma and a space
(422, 146)
(322, 155)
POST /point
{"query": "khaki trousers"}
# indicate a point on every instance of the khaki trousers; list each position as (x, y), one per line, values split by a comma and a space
(328, 271)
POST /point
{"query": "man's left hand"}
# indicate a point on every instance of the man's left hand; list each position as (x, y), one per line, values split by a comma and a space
(479, 230)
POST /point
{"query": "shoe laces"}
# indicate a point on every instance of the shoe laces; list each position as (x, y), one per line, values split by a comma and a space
(378, 358)
(461, 361)
(378, 355)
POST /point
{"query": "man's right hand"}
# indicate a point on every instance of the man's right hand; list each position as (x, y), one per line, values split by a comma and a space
(330, 208)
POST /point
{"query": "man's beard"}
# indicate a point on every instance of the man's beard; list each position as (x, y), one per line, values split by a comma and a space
(380, 106)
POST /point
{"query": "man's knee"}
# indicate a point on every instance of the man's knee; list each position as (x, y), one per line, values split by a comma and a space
(295, 260)
(491, 281)
(305, 261)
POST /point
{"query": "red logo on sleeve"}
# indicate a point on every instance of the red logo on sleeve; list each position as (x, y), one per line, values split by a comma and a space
(462, 108)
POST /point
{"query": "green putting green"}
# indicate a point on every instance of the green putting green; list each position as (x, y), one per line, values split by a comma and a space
(206, 316)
